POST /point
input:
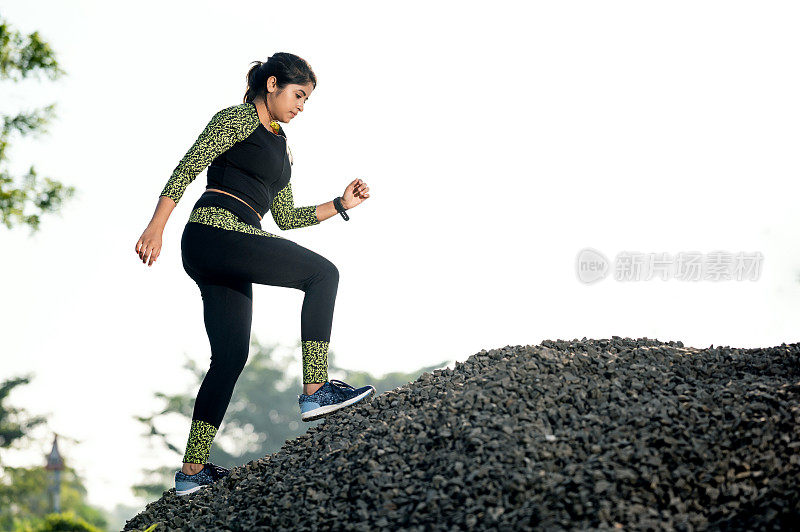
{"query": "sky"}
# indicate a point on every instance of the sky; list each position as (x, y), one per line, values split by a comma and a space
(499, 142)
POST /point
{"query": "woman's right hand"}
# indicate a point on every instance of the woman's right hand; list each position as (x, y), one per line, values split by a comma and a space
(149, 245)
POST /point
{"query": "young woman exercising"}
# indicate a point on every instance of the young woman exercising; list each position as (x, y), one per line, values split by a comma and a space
(224, 250)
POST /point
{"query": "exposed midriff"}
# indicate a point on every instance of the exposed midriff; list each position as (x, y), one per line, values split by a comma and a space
(243, 201)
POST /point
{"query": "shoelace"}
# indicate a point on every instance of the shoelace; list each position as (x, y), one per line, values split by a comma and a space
(218, 471)
(341, 384)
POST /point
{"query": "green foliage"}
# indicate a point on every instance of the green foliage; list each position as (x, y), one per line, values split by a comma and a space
(21, 56)
(14, 422)
(24, 199)
(25, 500)
(61, 522)
(262, 415)
(25, 497)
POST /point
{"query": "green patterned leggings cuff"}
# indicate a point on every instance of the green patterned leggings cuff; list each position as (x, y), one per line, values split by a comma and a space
(315, 361)
(198, 448)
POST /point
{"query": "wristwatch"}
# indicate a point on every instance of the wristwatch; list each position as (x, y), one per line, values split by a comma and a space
(337, 202)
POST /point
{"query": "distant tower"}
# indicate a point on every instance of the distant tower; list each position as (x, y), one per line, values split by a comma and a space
(55, 464)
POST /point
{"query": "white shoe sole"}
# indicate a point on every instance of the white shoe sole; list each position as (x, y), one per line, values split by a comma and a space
(190, 490)
(322, 411)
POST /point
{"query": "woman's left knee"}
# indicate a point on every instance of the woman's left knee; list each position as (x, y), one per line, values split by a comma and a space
(331, 271)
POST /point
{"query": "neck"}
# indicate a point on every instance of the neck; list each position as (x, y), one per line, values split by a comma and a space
(263, 113)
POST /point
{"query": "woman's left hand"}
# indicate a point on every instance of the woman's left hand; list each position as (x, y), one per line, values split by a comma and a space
(356, 192)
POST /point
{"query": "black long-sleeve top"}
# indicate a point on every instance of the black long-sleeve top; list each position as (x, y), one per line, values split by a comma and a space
(247, 160)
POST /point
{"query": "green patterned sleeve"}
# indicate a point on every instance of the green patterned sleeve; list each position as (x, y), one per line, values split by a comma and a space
(287, 216)
(226, 128)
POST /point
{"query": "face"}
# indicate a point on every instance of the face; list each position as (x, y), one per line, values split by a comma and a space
(289, 103)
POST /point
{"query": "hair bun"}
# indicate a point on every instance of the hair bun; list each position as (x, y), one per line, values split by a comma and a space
(285, 67)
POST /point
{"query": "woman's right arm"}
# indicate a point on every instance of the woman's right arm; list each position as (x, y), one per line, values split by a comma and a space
(226, 128)
(149, 245)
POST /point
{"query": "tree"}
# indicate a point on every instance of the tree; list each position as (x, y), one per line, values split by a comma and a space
(24, 199)
(262, 414)
(24, 499)
(15, 423)
(62, 522)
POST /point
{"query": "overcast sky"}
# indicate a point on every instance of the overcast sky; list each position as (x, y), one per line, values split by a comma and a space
(498, 141)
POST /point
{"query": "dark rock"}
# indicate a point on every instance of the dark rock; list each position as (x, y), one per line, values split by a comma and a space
(582, 434)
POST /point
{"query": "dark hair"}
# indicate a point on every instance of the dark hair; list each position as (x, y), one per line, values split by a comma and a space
(287, 69)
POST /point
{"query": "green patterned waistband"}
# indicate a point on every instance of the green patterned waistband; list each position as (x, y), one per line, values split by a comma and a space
(225, 219)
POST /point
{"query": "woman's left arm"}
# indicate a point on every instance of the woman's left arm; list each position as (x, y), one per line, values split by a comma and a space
(287, 216)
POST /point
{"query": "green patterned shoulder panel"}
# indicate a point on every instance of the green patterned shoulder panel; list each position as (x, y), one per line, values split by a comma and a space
(227, 127)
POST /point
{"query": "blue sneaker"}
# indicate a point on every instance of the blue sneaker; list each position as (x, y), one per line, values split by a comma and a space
(186, 484)
(333, 395)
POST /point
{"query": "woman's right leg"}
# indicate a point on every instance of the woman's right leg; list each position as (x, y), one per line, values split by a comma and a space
(227, 313)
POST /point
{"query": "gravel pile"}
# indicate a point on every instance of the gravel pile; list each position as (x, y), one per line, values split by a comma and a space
(579, 434)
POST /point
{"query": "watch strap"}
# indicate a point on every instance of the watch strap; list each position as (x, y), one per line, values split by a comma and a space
(337, 202)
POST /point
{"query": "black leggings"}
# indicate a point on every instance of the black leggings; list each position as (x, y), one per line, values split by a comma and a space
(224, 250)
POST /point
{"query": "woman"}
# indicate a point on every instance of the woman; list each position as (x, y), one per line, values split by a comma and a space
(224, 250)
